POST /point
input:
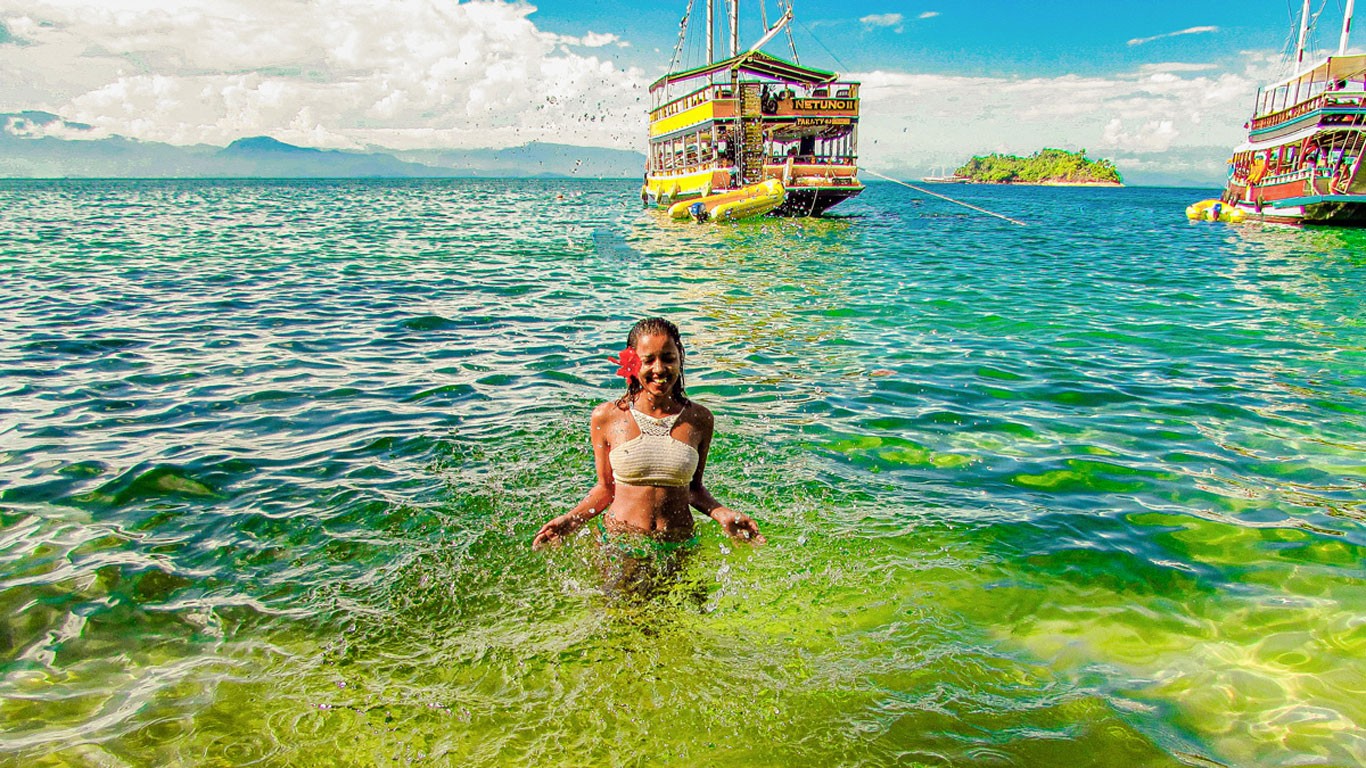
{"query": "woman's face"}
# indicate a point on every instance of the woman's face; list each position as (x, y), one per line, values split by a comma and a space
(660, 363)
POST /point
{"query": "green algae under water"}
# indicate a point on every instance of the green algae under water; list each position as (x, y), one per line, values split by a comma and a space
(1088, 492)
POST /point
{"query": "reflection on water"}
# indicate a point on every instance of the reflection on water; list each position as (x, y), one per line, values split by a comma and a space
(271, 455)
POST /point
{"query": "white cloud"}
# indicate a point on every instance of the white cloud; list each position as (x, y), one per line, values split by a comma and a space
(334, 73)
(916, 121)
(1152, 136)
(1174, 66)
(37, 128)
(928, 15)
(435, 73)
(883, 20)
(1178, 33)
(598, 40)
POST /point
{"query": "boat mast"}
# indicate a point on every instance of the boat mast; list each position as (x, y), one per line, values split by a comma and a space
(711, 29)
(735, 27)
(1304, 31)
(1346, 28)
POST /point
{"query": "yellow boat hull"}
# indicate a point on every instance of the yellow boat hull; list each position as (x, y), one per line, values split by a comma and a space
(743, 203)
(1206, 210)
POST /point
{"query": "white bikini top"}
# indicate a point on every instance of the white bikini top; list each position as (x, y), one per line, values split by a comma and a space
(654, 457)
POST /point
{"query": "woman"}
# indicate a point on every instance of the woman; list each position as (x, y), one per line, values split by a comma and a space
(650, 449)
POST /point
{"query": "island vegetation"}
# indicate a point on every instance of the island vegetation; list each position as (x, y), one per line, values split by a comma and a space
(1047, 166)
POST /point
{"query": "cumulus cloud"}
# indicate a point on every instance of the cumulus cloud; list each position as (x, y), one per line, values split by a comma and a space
(1151, 136)
(331, 73)
(407, 74)
(38, 125)
(1178, 33)
(598, 40)
(922, 121)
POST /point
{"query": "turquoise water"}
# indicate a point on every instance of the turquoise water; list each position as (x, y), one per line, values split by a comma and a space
(1089, 492)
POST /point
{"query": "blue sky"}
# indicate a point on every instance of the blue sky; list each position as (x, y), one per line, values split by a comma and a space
(983, 37)
(1161, 87)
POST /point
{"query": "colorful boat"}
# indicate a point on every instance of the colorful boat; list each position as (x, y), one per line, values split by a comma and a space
(732, 205)
(748, 118)
(1302, 158)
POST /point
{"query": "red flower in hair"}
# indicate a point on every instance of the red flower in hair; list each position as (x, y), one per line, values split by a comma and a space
(629, 363)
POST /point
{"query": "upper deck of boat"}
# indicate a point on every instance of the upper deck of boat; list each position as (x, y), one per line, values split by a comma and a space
(1330, 90)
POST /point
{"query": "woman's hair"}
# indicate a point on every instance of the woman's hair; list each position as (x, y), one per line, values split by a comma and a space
(647, 327)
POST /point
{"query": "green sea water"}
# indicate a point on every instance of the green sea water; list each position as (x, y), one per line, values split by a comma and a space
(1087, 493)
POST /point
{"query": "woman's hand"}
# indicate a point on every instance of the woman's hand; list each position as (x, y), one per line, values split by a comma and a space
(555, 530)
(738, 525)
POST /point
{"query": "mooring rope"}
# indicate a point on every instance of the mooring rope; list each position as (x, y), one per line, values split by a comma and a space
(942, 197)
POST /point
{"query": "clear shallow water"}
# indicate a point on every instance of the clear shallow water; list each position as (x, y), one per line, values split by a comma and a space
(1089, 492)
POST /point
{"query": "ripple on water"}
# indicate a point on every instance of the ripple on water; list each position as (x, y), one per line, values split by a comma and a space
(272, 453)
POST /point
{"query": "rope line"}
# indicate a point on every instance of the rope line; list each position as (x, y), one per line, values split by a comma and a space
(942, 197)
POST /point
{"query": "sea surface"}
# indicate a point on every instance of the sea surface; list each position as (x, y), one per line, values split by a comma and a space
(1087, 492)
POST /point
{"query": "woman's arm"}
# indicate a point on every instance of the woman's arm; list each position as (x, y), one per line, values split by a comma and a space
(602, 493)
(737, 525)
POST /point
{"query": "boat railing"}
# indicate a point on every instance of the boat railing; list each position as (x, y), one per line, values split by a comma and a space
(832, 91)
(808, 160)
(1285, 115)
(720, 92)
(1331, 99)
(1298, 174)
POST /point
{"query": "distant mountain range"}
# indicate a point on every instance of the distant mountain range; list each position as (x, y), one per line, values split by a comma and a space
(43, 145)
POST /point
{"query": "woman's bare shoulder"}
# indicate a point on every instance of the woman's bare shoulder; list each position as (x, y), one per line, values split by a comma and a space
(699, 414)
(608, 411)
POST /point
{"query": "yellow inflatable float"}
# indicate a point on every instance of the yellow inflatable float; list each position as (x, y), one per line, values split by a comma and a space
(1215, 210)
(733, 205)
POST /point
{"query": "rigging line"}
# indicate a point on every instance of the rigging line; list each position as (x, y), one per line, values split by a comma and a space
(865, 169)
(791, 43)
(1314, 23)
(822, 45)
(678, 49)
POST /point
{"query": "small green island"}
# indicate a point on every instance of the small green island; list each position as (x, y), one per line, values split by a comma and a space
(1050, 167)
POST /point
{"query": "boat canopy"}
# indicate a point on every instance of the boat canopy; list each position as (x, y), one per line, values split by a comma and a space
(755, 63)
(1328, 70)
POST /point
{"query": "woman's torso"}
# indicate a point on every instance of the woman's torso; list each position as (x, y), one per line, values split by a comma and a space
(655, 453)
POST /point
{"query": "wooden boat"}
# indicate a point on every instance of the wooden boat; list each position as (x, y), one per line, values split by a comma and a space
(750, 117)
(732, 205)
(1303, 154)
